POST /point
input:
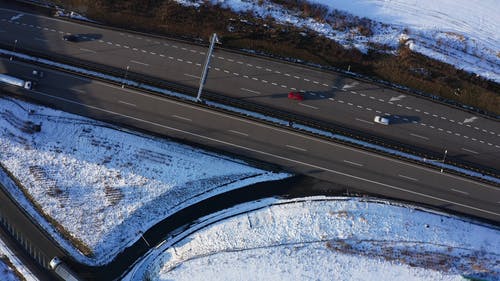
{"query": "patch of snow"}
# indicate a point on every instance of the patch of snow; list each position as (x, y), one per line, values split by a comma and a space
(320, 238)
(106, 186)
(463, 33)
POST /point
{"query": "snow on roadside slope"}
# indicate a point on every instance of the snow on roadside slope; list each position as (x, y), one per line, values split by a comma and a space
(6, 271)
(321, 238)
(104, 186)
(463, 33)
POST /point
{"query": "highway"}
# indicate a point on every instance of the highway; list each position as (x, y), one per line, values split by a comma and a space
(316, 157)
(329, 97)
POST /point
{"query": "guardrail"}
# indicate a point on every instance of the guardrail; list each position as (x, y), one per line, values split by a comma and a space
(244, 104)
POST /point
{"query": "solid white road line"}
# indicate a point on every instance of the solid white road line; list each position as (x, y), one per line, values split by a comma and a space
(282, 157)
(87, 50)
(238, 133)
(306, 105)
(296, 148)
(138, 62)
(406, 177)
(182, 118)
(471, 151)
(353, 163)
(127, 103)
(460, 191)
(419, 136)
(364, 121)
(251, 91)
(190, 75)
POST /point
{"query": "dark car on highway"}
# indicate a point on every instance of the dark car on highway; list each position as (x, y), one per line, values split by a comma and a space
(73, 38)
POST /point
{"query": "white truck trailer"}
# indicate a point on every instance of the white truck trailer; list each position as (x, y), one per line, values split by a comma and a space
(62, 270)
(7, 79)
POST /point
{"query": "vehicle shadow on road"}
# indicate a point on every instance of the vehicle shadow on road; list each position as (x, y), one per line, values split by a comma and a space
(403, 119)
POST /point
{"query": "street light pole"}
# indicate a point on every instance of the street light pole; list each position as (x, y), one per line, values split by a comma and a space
(206, 66)
(444, 158)
(13, 49)
(125, 77)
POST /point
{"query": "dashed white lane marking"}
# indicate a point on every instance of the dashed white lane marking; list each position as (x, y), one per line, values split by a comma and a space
(79, 91)
(138, 62)
(41, 39)
(460, 191)
(407, 177)
(251, 91)
(182, 118)
(353, 163)
(191, 75)
(471, 151)
(419, 136)
(87, 50)
(127, 103)
(364, 121)
(306, 105)
(239, 133)
(296, 148)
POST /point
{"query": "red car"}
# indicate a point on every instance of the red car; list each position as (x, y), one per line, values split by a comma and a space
(295, 96)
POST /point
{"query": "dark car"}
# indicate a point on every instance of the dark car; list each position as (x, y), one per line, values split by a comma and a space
(72, 38)
(295, 96)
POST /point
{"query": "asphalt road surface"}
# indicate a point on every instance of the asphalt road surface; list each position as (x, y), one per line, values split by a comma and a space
(329, 97)
(292, 150)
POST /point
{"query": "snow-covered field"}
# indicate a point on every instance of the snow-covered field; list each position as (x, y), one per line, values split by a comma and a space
(463, 33)
(322, 238)
(103, 185)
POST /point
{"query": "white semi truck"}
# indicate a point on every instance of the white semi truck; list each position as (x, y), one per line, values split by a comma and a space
(62, 270)
(7, 79)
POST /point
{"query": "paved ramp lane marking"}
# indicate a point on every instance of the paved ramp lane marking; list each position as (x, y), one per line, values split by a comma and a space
(251, 91)
(306, 105)
(353, 163)
(407, 177)
(296, 148)
(182, 118)
(138, 62)
(460, 191)
(419, 136)
(239, 133)
(127, 103)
